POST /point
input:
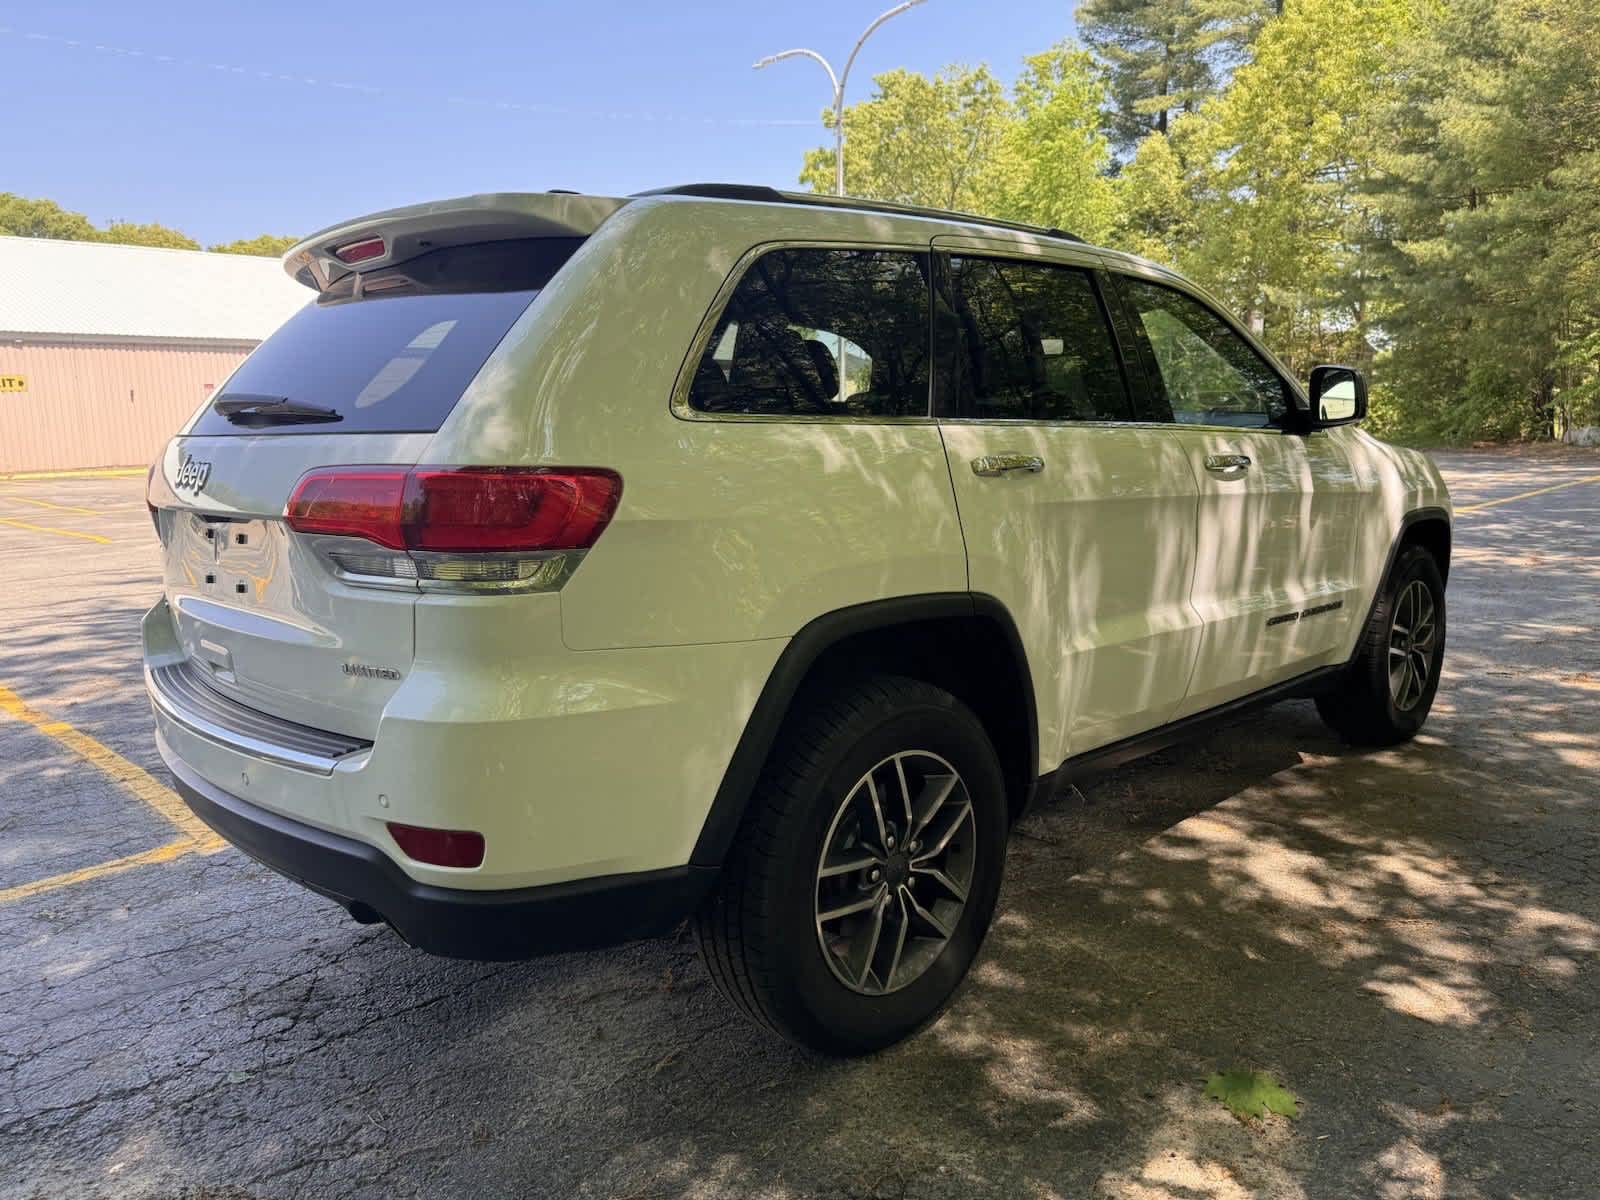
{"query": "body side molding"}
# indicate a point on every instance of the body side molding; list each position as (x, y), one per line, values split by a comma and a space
(1090, 763)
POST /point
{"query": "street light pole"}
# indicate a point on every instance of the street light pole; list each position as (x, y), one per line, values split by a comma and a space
(838, 82)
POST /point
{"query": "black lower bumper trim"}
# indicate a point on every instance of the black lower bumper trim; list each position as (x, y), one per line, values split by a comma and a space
(489, 926)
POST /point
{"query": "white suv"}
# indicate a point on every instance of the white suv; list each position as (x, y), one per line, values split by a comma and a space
(573, 566)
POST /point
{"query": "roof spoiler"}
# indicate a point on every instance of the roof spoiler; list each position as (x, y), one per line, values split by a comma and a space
(386, 238)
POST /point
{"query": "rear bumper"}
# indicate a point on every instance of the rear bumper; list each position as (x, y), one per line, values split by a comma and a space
(457, 923)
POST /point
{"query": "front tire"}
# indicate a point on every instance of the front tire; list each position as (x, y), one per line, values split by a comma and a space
(866, 870)
(1389, 691)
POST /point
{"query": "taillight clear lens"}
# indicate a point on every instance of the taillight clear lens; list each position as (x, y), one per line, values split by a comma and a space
(472, 528)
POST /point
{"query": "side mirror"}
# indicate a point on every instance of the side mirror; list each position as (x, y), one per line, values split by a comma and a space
(1338, 396)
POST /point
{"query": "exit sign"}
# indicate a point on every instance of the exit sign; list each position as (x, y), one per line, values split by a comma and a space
(13, 383)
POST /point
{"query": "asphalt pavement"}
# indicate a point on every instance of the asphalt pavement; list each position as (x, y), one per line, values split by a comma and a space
(1405, 939)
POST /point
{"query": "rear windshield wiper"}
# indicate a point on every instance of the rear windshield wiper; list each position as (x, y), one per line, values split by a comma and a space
(244, 409)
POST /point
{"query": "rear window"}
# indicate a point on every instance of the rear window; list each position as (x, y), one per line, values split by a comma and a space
(391, 351)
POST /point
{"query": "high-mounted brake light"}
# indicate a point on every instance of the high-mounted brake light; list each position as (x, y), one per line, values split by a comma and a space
(354, 252)
(501, 528)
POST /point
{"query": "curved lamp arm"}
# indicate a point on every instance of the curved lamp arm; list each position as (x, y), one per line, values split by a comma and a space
(812, 54)
(868, 32)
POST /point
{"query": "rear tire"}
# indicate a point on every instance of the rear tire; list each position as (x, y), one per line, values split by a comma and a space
(842, 932)
(1386, 697)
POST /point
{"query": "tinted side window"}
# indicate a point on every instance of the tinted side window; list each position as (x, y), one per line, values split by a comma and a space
(1209, 374)
(821, 332)
(1029, 341)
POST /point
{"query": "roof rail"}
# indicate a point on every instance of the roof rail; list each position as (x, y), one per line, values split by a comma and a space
(769, 195)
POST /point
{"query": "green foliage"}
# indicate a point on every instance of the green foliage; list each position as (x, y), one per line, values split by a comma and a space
(1165, 57)
(1488, 246)
(1251, 1094)
(1054, 155)
(933, 142)
(128, 233)
(958, 141)
(1274, 164)
(1407, 185)
(265, 245)
(22, 217)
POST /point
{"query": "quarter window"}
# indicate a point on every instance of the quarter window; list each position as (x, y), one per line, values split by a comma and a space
(1029, 341)
(1208, 373)
(820, 332)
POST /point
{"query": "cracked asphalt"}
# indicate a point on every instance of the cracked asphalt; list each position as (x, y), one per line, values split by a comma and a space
(1406, 939)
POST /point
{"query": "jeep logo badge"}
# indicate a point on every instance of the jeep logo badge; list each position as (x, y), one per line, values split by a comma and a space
(192, 475)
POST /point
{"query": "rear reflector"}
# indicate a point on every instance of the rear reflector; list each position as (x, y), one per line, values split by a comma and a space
(458, 510)
(354, 252)
(440, 847)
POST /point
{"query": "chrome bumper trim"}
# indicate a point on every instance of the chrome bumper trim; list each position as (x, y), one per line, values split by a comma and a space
(180, 693)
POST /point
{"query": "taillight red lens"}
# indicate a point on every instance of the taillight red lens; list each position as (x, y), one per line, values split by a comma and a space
(441, 847)
(485, 509)
(354, 252)
(461, 510)
(363, 502)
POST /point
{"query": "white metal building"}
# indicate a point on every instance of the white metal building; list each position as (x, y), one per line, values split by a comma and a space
(105, 350)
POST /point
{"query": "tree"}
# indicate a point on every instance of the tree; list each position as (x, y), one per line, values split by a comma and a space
(934, 142)
(128, 233)
(1489, 246)
(1156, 205)
(1054, 155)
(1279, 159)
(265, 245)
(22, 217)
(1164, 57)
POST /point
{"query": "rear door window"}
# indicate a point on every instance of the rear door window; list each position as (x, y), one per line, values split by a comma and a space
(1025, 341)
(821, 332)
(391, 351)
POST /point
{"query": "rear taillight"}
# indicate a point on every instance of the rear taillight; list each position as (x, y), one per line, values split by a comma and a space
(471, 528)
(471, 509)
(440, 847)
(361, 502)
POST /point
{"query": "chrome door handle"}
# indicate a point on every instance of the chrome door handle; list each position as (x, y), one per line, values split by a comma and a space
(1227, 464)
(999, 464)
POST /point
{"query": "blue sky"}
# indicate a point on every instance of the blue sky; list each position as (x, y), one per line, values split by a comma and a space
(389, 103)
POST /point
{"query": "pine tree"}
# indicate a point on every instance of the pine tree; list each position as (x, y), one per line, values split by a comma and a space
(1164, 57)
(1488, 239)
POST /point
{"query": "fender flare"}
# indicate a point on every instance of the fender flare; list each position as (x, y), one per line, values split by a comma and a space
(789, 672)
(1416, 516)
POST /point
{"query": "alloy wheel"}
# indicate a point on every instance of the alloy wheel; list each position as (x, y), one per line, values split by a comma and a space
(895, 872)
(1412, 635)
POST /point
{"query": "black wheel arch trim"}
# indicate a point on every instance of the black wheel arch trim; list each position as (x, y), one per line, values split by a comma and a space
(795, 663)
(1417, 516)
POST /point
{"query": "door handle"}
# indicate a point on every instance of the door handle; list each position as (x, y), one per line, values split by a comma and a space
(999, 464)
(1227, 464)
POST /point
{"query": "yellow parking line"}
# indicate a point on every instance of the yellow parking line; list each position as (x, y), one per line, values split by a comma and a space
(68, 533)
(1554, 487)
(77, 473)
(136, 779)
(160, 854)
(90, 512)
